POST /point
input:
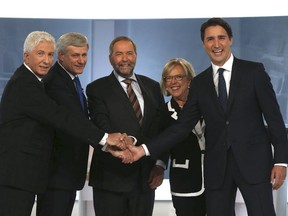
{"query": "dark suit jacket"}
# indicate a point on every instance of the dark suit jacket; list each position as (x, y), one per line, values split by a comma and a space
(70, 157)
(27, 118)
(242, 128)
(111, 110)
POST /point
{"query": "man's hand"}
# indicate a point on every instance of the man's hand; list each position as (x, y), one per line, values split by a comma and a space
(117, 139)
(129, 155)
(125, 155)
(129, 140)
(137, 152)
(156, 177)
(278, 176)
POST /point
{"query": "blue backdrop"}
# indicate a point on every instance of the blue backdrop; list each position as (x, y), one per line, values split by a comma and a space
(262, 39)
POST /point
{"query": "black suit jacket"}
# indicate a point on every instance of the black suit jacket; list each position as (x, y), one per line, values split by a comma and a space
(242, 128)
(185, 174)
(70, 157)
(28, 117)
(111, 110)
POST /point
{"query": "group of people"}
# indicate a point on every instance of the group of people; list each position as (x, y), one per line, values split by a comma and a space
(47, 124)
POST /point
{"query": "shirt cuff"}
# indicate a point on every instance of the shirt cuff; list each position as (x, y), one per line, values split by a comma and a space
(281, 164)
(161, 164)
(104, 139)
(135, 140)
(146, 150)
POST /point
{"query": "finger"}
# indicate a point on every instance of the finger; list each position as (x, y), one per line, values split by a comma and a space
(123, 136)
(121, 145)
(116, 154)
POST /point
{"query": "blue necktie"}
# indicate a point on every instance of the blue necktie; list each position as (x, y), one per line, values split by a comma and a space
(79, 91)
(222, 92)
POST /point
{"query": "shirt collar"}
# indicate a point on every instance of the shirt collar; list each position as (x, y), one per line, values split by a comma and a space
(39, 78)
(71, 75)
(120, 78)
(227, 66)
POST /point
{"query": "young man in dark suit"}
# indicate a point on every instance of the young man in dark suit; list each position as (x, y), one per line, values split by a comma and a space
(69, 161)
(238, 151)
(120, 189)
(28, 120)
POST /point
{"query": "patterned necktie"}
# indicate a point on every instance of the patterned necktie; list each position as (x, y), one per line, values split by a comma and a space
(79, 91)
(222, 92)
(134, 101)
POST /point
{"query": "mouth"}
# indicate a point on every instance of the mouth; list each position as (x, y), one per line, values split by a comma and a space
(217, 52)
(124, 65)
(80, 67)
(44, 67)
(175, 88)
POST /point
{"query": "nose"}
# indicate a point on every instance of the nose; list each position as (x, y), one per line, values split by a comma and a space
(81, 59)
(216, 43)
(48, 58)
(124, 57)
(173, 80)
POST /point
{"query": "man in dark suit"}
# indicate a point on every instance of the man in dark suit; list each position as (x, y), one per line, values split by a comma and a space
(120, 189)
(70, 157)
(28, 119)
(238, 151)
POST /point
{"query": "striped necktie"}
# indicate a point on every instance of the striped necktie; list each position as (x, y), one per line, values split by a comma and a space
(134, 101)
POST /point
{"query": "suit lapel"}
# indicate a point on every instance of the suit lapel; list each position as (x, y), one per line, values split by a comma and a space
(121, 95)
(70, 85)
(212, 89)
(67, 78)
(147, 97)
(234, 82)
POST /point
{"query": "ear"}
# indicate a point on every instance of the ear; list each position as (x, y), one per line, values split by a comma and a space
(189, 82)
(61, 56)
(26, 57)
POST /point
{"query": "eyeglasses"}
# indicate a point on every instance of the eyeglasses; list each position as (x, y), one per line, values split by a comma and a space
(177, 78)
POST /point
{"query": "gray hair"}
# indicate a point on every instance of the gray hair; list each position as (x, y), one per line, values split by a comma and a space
(35, 38)
(71, 39)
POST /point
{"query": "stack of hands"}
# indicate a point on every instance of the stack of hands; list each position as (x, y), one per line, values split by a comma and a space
(122, 146)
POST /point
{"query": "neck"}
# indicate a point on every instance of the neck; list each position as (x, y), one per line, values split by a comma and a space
(180, 102)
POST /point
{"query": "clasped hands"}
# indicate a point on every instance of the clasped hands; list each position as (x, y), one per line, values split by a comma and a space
(121, 145)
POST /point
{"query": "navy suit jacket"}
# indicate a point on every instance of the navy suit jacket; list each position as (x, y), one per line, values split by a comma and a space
(111, 111)
(70, 157)
(242, 128)
(28, 117)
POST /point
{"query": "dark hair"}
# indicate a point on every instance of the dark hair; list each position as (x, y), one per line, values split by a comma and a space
(214, 22)
(121, 38)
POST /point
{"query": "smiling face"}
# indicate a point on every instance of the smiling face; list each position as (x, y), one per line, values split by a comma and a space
(217, 44)
(40, 59)
(177, 83)
(123, 58)
(74, 59)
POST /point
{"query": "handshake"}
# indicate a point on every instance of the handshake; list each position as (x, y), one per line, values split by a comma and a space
(122, 146)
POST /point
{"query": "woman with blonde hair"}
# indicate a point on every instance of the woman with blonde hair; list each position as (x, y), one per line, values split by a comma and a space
(185, 176)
